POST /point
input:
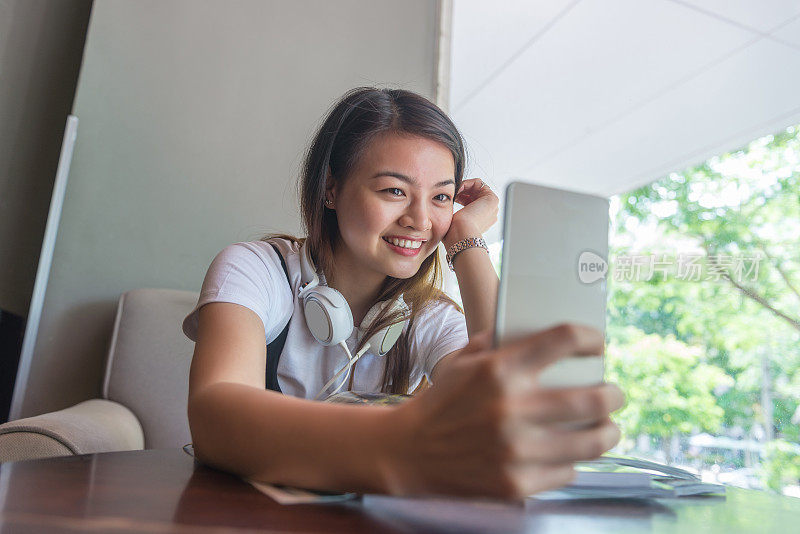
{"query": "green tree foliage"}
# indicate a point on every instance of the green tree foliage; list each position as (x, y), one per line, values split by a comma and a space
(745, 203)
(743, 325)
(668, 385)
(782, 465)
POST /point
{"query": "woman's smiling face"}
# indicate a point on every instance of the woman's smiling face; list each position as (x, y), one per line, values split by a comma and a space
(402, 188)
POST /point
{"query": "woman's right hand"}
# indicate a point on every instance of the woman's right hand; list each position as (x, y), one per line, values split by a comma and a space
(487, 429)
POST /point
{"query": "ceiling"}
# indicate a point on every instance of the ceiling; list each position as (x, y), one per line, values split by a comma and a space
(602, 96)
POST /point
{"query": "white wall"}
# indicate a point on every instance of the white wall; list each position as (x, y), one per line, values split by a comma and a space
(194, 116)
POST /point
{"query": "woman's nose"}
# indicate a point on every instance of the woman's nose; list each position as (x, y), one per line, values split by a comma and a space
(417, 217)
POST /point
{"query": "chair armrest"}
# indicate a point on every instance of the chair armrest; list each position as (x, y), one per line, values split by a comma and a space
(96, 425)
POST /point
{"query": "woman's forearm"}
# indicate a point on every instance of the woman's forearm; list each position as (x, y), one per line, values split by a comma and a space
(268, 437)
(477, 282)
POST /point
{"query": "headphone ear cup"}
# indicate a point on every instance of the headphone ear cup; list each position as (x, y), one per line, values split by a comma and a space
(383, 340)
(328, 315)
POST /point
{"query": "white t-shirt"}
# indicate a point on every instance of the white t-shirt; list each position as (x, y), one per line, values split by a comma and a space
(250, 274)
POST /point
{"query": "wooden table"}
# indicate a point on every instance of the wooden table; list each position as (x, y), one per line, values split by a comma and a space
(166, 491)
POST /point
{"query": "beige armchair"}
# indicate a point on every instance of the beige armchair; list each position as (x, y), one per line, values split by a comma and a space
(144, 392)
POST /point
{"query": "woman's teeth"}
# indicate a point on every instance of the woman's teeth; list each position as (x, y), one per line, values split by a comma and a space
(405, 243)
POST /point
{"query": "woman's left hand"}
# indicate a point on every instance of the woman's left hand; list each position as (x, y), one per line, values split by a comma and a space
(479, 213)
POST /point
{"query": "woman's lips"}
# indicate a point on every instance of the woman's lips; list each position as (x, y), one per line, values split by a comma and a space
(403, 251)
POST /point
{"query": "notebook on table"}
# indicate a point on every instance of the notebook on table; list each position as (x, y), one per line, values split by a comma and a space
(615, 477)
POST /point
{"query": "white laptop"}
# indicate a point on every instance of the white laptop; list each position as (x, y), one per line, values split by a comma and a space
(554, 263)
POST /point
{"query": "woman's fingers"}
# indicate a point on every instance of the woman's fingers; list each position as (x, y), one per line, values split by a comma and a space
(480, 203)
(472, 189)
(575, 405)
(471, 184)
(534, 352)
(553, 445)
(530, 478)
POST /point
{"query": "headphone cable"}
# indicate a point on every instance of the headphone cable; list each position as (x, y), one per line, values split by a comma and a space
(347, 367)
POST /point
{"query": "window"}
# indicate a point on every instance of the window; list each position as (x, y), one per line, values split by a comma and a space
(704, 316)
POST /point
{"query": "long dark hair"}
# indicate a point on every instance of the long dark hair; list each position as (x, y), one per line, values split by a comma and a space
(349, 127)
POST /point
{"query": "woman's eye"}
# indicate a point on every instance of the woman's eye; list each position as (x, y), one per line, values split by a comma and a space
(396, 192)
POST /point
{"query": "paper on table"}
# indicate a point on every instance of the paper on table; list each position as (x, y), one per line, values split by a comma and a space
(288, 495)
(612, 477)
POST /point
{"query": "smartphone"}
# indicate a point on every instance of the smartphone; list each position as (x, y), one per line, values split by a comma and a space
(553, 270)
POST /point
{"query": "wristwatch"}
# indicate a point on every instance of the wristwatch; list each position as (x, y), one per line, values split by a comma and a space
(464, 244)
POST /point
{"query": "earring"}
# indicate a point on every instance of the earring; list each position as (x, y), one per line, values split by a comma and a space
(328, 202)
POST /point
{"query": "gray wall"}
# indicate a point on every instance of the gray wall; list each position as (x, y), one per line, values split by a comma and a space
(41, 42)
(193, 119)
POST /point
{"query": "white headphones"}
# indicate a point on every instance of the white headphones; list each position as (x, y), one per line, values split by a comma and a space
(330, 320)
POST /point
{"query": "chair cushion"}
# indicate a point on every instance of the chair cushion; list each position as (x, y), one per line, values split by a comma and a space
(95, 425)
(29, 445)
(148, 363)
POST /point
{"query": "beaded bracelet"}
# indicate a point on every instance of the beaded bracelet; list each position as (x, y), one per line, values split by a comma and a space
(464, 244)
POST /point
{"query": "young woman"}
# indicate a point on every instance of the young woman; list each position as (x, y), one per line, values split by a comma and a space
(358, 304)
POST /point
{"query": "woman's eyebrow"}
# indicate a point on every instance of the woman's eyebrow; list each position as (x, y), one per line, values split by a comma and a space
(409, 179)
